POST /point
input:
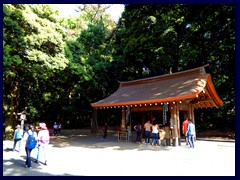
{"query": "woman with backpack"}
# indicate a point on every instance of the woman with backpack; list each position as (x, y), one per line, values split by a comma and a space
(17, 137)
(30, 137)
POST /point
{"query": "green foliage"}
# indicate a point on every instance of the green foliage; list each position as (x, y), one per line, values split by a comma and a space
(45, 12)
(57, 66)
(33, 50)
(171, 38)
(9, 132)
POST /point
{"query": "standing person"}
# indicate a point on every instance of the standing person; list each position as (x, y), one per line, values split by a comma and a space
(155, 130)
(191, 133)
(59, 128)
(55, 128)
(168, 134)
(162, 136)
(43, 141)
(105, 127)
(30, 136)
(147, 127)
(138, 129)
(17, 137)
(184, 129)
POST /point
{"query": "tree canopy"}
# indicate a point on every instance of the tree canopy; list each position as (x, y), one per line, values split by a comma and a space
(55, 67)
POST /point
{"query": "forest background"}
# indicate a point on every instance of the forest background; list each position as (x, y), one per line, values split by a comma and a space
(54, 67)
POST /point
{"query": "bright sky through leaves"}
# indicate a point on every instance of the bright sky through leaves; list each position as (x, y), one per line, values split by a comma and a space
(66, 10)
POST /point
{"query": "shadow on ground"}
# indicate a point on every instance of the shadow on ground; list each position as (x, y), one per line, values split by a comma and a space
(96, 141)
(16, 167)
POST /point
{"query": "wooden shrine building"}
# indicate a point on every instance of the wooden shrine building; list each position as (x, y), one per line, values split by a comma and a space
(180, 92)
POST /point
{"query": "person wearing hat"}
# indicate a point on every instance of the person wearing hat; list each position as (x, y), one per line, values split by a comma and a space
(43, 141)
(17, 137)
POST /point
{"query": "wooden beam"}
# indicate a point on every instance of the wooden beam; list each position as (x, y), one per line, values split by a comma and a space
(208, 104)
(147, 108)
(202, 100)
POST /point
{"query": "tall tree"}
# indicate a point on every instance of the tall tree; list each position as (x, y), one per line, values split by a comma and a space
(158, 39)
(33, 50)
(57, 66)
(86, 77)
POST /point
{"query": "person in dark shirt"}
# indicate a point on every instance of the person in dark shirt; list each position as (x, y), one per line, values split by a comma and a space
(138, 129)
(105, 130)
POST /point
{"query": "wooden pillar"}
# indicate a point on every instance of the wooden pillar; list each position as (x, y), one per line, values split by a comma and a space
(128, 118)
(175, 124)
(193, 117)
(178, 123)
(94, 127)
(123, 121)
(190, 110)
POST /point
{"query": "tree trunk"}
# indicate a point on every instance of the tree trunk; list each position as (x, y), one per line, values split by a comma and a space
(94, 127)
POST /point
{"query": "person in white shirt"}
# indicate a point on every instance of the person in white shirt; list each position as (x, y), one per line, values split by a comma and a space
(155, 129)
(43, 141)
(55, 128)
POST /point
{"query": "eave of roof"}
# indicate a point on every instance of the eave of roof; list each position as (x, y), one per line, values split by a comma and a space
(179, 86)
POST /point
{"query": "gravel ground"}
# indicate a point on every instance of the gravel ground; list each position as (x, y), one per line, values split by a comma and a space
(88, 155)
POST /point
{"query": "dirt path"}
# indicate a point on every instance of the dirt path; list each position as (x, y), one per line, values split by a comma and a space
(87, 155)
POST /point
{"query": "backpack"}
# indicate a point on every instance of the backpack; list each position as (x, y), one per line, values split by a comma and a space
(31, 141)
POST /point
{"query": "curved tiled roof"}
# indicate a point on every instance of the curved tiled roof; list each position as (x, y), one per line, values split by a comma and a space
(192, 85)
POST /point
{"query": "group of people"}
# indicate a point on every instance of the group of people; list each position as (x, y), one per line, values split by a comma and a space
(57, 127)
(32, 140)
(41, 139)
(188, 129)
(148, 129)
